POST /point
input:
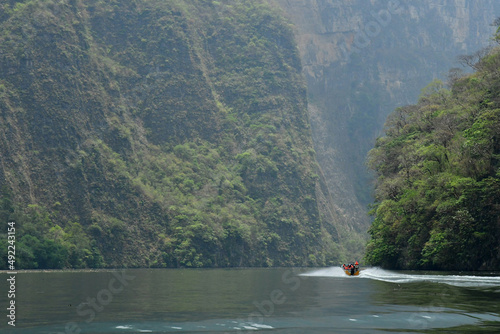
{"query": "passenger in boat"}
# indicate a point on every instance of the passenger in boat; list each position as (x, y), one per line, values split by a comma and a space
(349, 267)
(356, 265)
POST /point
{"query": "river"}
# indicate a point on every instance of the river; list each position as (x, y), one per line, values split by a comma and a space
(251, 300)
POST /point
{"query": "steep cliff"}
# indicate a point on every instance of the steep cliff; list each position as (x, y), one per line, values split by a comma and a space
(363, 58)
(157, 133)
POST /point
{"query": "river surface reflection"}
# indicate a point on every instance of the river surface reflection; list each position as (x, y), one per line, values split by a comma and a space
(251, 300)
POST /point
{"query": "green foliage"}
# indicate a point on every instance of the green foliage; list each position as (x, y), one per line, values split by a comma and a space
(42, 244)
(157, 134)
(437, 197)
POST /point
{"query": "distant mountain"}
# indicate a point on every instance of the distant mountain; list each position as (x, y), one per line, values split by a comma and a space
(157, 133)
(361, 60)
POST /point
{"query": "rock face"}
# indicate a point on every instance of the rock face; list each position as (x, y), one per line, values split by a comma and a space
(362, 59)
(157, 133)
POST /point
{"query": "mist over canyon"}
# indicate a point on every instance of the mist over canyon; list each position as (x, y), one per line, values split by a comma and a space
(208, 133)
(361, 60)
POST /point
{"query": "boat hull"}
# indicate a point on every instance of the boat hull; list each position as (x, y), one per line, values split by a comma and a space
(348, 272)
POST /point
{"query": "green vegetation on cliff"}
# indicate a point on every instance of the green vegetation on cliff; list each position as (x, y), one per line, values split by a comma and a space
(156, 133)
(438, 191)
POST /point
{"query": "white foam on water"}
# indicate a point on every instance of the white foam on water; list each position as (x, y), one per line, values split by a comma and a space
(262, 326)
(123, 327)
(326, 272)
(456, 280)
(400, 278)
(251, 328)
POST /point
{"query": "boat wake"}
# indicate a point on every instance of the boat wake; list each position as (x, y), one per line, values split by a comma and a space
(326, 272)
(399, 278)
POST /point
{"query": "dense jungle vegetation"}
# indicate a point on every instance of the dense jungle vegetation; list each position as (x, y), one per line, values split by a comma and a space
(438, 165)
(156, 133)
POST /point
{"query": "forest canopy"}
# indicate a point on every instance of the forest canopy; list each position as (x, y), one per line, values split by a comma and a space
(438, 167)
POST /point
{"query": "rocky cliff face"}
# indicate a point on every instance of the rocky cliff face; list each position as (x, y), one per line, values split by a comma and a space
(157, 133)
(362, 59)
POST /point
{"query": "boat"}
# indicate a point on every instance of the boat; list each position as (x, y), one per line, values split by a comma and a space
(351, 272)
(351, 269)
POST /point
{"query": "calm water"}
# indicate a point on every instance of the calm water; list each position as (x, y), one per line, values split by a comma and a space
(252, 300)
